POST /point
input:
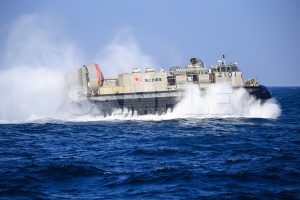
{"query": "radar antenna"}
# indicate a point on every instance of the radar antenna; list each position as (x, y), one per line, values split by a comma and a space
(223, 59)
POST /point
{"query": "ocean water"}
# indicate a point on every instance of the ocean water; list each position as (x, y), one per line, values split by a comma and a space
(146, 158)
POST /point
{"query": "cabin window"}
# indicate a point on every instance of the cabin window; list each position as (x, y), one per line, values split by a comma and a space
(234, 69)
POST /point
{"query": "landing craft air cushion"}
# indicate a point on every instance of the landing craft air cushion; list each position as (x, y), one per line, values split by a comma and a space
(153, 92)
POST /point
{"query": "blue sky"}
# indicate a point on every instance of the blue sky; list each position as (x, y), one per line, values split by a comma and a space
(263, 36)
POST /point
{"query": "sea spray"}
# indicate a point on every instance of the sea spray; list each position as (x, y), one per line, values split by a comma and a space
(27, 91)
(122, 54)
(215, 101)
(37, 56)
(222, 100)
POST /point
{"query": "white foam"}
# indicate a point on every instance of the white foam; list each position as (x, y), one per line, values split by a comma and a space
(217, 101)
(222, 100)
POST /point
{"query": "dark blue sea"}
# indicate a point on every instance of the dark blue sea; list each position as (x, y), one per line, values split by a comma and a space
(215, 158)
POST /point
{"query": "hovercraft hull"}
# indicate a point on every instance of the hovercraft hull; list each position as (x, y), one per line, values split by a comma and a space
(158, 102)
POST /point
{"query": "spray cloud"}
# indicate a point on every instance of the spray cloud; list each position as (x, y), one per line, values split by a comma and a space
(32, 73)
(122, 54)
